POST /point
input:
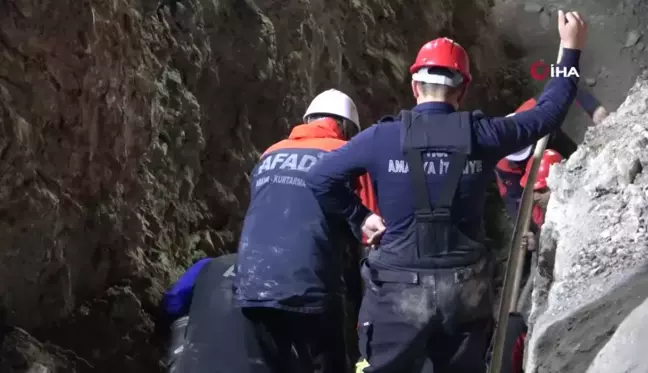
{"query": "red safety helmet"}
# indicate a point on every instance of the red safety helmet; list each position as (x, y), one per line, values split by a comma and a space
(548, 158)
(443, 52)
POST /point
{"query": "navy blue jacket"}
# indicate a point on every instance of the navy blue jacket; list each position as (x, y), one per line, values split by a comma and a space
(377, 150)
(290, 251)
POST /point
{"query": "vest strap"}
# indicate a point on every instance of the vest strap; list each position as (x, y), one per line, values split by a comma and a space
(422, 206)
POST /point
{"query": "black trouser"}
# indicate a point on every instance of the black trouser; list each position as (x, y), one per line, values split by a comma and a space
(293, 342)
(405, 325)
(404, 345)
(353, 299)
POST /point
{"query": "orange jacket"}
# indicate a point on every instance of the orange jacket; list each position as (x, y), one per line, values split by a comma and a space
(325, 134)
(366, 192)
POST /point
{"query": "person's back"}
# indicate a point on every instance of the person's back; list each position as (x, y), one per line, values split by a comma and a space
(389, 169)
(203, 331)
(286, 238)
(290, 255)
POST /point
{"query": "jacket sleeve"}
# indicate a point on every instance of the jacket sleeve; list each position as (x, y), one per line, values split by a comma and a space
(497, 137)
(177, 300)
(330, 176)
(587, 101)
(366, 193)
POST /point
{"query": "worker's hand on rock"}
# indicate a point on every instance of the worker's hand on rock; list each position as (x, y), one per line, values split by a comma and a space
(599, 114)
(373, 227)
(528, 241)
(572, 29)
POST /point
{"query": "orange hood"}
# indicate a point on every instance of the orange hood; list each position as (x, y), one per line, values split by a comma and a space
(324, 128)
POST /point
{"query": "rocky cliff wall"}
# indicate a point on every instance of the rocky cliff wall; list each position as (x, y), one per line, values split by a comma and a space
(596, 232)
(127, 132)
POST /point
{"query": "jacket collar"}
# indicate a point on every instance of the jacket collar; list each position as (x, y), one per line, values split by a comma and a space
(318, 129)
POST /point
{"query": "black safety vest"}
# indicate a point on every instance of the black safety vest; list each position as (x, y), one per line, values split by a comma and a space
(433, 240)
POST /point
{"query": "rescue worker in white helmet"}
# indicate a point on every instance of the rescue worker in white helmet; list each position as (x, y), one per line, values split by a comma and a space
(290, 256)
(429, 281)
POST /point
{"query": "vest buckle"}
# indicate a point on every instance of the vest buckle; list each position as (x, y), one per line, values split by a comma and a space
(441, 212)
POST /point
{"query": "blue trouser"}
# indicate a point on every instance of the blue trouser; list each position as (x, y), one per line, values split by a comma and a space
(444, 318)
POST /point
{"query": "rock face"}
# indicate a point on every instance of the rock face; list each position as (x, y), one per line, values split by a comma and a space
(609, 68)
(127, 132)
(596, 230)
(625, 352)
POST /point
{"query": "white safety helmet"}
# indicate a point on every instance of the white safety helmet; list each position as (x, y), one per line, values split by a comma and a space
(519, 155)
(334, 103)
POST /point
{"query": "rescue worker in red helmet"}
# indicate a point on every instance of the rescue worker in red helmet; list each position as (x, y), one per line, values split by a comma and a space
(541, 192)
(289, 266)
(429, 295)
(509, 170)
(540, 197)
(533, 264)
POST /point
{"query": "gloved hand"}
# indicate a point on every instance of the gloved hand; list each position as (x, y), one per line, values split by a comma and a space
(528, 242)
(373, 227)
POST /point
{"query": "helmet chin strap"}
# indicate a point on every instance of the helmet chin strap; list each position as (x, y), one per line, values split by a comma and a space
(349, 129)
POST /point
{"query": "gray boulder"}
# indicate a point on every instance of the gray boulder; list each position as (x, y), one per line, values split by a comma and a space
(596, 232)
(626, 350)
